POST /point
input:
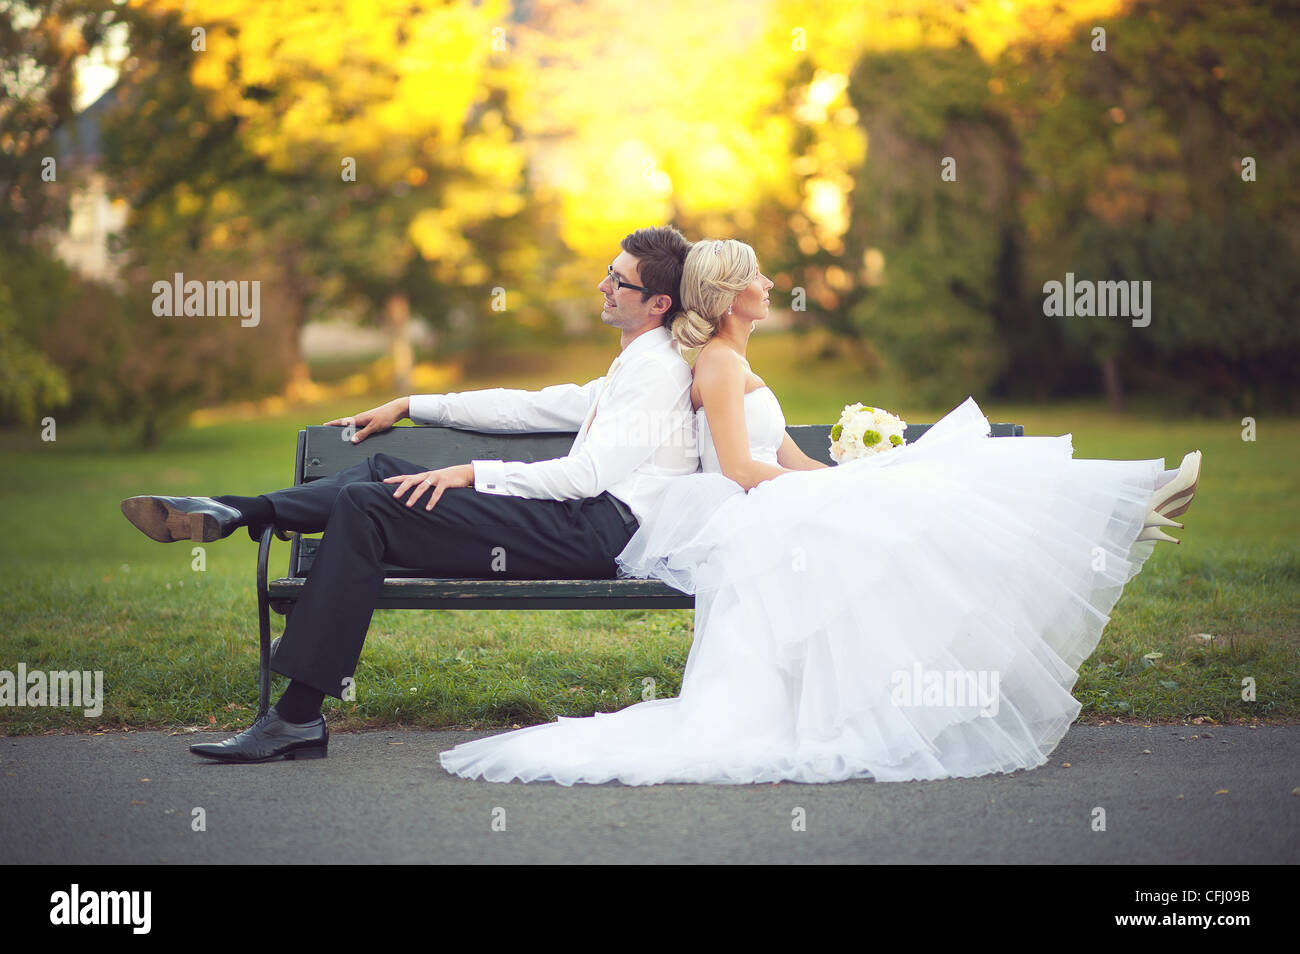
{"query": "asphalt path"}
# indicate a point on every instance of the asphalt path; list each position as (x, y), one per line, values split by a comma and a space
(1166, 795)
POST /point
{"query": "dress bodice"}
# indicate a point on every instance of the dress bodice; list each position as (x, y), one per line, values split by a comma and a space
(764, 422)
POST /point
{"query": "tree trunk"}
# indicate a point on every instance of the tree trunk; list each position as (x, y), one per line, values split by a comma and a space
(149, 431)
(1114, 386)
(397, 320)
(298, 383)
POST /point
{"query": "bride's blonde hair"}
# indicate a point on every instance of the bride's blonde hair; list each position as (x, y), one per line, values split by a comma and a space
(716, 271)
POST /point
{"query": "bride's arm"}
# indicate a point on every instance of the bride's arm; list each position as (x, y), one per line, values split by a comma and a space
(792, 458)
(721, 379)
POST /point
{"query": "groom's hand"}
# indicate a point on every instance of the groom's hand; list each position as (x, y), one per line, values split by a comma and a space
(462, 475)
(374, 420)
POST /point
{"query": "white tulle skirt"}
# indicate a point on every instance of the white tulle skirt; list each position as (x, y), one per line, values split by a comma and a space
(919, 614)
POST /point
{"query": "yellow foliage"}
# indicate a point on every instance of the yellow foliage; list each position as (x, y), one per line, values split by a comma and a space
(357, 78)
(436, 237)
(430, 378)
(630, 115)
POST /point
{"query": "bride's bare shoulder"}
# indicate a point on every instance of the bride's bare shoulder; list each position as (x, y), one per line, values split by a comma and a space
(718, 370)
(718, 366)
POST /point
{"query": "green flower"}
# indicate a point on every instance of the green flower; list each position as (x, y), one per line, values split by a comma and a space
(871, 438)
(836, 431)
(895, 439)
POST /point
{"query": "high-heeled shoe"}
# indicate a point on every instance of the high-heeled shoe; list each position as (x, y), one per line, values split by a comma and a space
(1155, 533)
(1154, 519)
(1173, 499)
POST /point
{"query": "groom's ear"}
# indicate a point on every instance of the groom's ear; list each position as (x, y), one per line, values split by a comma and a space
(661, 305)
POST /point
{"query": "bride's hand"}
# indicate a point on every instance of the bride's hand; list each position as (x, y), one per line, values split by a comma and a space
(789, 456)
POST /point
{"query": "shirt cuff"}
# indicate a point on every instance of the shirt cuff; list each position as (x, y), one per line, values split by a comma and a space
(426, 408)
(490, 476)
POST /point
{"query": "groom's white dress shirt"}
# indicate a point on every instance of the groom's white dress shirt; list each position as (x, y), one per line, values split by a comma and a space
(636, 429)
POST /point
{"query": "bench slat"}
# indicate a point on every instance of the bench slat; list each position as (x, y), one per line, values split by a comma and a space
(423, 593)
(326, 453)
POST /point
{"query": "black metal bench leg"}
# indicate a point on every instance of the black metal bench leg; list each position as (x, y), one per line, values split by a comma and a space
(264, 617)
(264, 623)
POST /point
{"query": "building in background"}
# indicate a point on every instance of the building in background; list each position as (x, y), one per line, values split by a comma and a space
(95, 214)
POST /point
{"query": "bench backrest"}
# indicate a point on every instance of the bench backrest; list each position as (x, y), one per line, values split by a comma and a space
(323, 451)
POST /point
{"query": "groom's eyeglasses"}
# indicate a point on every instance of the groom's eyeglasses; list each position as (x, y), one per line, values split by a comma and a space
(620, 283)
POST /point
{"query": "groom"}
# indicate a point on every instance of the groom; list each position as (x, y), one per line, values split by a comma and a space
(563, 518)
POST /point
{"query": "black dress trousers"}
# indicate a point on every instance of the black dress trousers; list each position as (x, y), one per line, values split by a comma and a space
(467, 535)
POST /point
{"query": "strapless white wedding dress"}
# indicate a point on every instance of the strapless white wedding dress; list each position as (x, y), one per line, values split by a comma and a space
(917, 614)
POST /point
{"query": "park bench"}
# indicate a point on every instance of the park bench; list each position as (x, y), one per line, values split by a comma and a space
(323, 451)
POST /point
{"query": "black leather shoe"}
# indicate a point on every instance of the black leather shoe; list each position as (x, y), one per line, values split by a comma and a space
(168, 519)
(270, 737)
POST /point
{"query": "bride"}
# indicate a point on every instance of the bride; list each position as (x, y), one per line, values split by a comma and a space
(917, 614)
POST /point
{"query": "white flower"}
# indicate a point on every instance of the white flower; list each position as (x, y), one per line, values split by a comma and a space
(863, 430)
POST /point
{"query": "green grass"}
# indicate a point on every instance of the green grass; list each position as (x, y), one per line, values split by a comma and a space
(83, 590)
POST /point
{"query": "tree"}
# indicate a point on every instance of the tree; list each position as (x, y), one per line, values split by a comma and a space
(1135, 173)
(932, 214)
(385, 165)
(39, 46)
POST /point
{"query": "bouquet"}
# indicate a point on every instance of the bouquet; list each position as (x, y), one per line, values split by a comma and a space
(863, 430)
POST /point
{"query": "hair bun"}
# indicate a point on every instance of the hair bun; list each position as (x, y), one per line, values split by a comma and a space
(691, 329)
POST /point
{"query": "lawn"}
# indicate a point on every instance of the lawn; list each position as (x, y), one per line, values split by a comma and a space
(175, 634)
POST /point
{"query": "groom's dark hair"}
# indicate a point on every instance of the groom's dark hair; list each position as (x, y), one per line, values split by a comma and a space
(661, 253)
